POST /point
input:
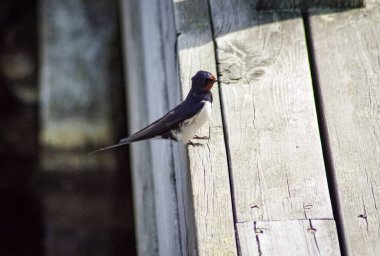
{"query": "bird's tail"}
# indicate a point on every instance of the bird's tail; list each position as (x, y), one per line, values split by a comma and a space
(121, 143)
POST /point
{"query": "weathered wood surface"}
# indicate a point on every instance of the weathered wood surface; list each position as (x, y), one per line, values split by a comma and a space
(295, 237)
(213, 218)
(347, 50)
(142, 177)
(76, 87)
(279, 184)
(276, 156)
(151, 71)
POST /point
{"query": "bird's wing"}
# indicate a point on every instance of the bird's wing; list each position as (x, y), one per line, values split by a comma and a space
(169, 121)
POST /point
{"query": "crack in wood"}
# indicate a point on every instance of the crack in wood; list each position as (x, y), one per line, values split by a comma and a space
(364, 215)
(287, 183)
(313, 230)
(225, 131)
(373, 196)
(306, 207)
(257, 232)
(372, 191)
(258, 173)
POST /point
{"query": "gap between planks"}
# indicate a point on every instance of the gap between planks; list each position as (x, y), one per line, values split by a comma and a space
(325, 141)
(225, 135)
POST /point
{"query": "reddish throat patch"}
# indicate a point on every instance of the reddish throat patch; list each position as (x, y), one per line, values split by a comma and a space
(209, 86)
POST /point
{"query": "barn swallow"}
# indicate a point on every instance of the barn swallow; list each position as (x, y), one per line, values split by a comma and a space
(182, 122)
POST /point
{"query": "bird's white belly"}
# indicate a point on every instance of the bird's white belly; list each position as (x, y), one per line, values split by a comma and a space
(192, 125)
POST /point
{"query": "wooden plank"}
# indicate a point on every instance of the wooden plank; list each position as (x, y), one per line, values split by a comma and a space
(159, 69)
(277, 162)
(347, 50)
(298, 237)
(213, 227)
(150, 37)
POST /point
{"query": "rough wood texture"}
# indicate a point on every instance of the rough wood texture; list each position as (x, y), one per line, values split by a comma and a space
(298, 237)
(150, 66)
(213, 220)
(277, 163)
(347, 56)
(142, 179)
(75, 83)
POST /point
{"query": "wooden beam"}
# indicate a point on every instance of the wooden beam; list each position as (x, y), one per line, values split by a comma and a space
(150, 58)
(347, 58)
(277, 162)
(212, 229)
(276, 157)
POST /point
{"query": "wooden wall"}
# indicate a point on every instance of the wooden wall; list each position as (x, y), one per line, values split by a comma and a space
(291, 164)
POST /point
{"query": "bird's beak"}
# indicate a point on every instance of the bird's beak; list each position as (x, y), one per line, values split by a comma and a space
(213, 78)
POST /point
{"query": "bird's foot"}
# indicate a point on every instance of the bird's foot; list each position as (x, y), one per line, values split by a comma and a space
(200, 137)
(194, 144)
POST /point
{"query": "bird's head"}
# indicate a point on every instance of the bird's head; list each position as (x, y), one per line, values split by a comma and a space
(203, 81)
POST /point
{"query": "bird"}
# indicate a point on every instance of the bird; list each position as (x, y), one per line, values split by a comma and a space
(182, 122)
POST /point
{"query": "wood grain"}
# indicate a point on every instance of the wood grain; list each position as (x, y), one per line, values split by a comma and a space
(213, 220)
(277, 163)
(150, 37)
(142, 177)
(298, 237)
(347, 50)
